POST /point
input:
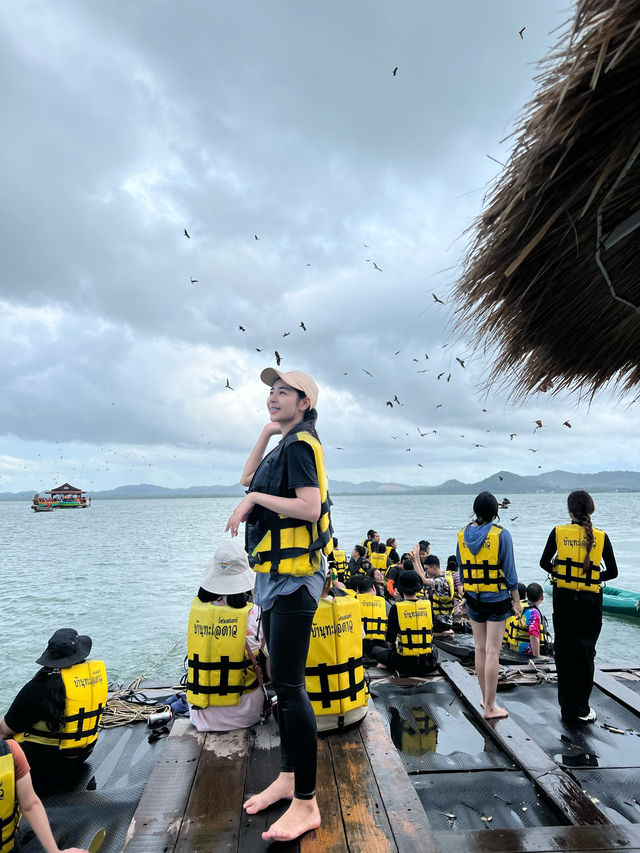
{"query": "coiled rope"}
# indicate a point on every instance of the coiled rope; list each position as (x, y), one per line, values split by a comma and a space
(127, 704)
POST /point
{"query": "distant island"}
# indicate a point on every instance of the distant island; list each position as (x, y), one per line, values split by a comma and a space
(503, 482)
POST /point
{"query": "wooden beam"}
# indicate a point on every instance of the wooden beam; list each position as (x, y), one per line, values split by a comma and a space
(617, 691)
(155, 825)
(557, 785)
(408, 820)
(212, 817)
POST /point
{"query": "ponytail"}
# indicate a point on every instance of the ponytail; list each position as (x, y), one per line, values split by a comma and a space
(580, 505)
(309, 422)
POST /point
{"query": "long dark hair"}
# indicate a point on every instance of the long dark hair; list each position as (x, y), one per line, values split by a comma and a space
(580, 504)
(485, 507)
(237, 600)
(54, 702)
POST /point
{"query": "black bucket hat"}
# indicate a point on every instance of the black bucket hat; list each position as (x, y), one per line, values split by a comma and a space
(65, 648)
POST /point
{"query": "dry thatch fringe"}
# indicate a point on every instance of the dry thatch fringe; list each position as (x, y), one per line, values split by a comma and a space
(532, 289)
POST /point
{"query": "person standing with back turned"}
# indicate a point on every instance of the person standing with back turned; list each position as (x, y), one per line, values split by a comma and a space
(573, 555)
(288, 531)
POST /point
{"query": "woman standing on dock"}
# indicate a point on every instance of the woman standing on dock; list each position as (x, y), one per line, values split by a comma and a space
(485, 557)
(288, 531)
(573, 556)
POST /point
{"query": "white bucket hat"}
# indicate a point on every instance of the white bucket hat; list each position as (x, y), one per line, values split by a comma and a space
(228, 571)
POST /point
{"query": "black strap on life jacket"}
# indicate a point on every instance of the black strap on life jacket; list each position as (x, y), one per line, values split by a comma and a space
(478, 573)
(13, 817)
(224, 666)
(374, 624)
(77, 733)
(324, 670)
(423, 635)
(574, 573)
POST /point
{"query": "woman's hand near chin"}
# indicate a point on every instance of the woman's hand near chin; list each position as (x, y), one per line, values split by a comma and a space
(239, 515)
(271, 429)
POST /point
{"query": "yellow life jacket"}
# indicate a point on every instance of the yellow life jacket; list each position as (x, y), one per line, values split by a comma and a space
(481, 572)
(339, 559)
(290, 546)
(415, 622)
(85, 686)
(571, 546)
(443, 604)
(374, 616)
(379, 561)
(334, 673)
(9, 812)
(219, 670)
(516, 630)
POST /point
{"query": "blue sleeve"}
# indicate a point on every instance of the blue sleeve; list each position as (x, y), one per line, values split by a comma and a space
(506, 560)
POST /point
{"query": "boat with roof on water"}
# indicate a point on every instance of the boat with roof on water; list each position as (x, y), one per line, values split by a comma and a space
(65, 496)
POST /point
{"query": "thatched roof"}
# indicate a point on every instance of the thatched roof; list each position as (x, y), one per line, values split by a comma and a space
(66, 489)
(552, 278)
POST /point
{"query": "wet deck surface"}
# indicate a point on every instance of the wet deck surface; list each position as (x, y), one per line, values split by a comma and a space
(422, 772)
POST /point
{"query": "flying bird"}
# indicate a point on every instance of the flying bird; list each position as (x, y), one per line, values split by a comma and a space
(186, 234)
(420, 465)
(377, 267)
(395, 71)
(229, 386)
(284, 334)
(365, 245)
(521, 31)
(389, 403)
(395, 398)
(436, 299)
(440, 375)
(339, 448)
(422, 371)
(368, 374)
(437, 407)
(193, 280)
(513, 435)
(449, 378)
(408, 450)
(242, 328)
(500, 478)
(302, 326)
(538, 425)
(514, 518)
(479, 445)
(256, 237)
(422, 433)
(532, 450)
(460, 361)
(567, 424)
(278, 357)
(397, 352)
(258, 349)
(416, 360)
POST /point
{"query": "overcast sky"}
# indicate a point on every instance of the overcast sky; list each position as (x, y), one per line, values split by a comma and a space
(126, 123)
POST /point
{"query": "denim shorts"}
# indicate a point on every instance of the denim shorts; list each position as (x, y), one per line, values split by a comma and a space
(488, 613)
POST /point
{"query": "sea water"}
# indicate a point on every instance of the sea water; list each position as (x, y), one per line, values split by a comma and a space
(125, 571)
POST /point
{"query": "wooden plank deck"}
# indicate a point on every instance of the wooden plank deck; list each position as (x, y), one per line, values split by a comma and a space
(193, 800)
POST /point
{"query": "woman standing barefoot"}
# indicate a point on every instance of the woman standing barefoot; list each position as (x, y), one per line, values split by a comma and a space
(287, 533)
(574, 554)
(485, 557)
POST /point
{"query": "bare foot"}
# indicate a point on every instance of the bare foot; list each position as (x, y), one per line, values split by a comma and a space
(495, 713)
(301, 816)
(281, 789)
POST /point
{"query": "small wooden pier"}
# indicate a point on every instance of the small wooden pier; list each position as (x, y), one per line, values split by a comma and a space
(373, 799)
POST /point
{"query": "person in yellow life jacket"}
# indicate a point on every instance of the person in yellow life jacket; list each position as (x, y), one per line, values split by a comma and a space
(56, 715)
(392, 550)
(287, 536)
(359, 562)
(379, 558)
(223, 688)
(579, 558)
(18, 799)
(374, 611)
(487, 565)
(408, 649)
(334, 672)
(529, 635)
(338, 561)
(440, 589)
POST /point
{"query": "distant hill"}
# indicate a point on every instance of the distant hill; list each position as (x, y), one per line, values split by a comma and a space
(502, 481)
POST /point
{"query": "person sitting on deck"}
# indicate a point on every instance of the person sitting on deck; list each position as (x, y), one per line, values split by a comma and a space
(334, 673)
(391, 577)
(379, 558)
(359, 562)
(338, 561)
(223, 626)
(530, 634)
(56, 715)
(441, 592)
(375, 611)
(18, 798)
(409, 631)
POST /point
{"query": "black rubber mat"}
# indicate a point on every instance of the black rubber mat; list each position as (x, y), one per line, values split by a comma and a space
(107, 794)
(618, 792)
(631, 683)
(459, 801)
(535, 709)
(431, 730)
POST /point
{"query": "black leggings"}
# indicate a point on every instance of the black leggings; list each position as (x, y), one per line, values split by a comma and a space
(287, 631)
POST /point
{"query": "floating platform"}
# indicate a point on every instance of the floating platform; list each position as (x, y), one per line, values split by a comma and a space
(423, 771)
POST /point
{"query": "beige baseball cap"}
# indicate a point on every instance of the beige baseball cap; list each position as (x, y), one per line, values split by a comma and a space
(296, 379)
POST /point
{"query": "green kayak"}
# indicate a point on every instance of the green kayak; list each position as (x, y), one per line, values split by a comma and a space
(620, 601)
